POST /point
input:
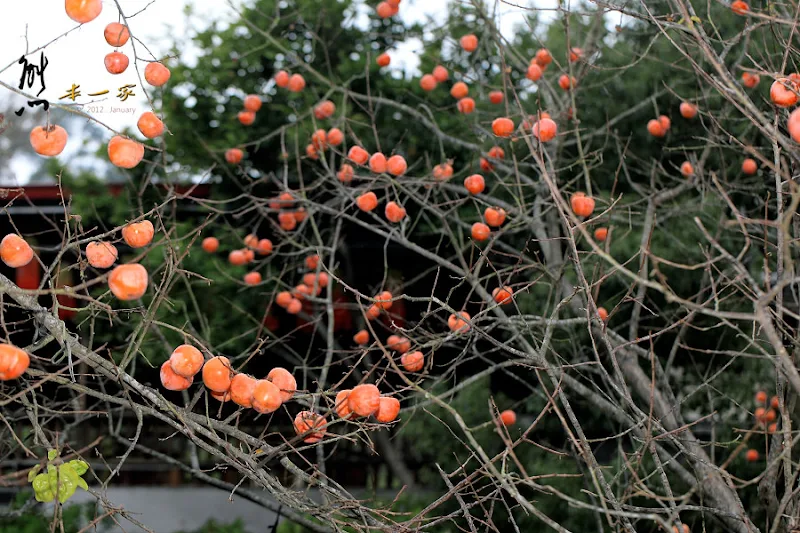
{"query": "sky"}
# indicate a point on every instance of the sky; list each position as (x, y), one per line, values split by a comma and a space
(78, 57)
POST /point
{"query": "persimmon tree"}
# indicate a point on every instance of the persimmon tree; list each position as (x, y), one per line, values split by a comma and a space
(548, 282)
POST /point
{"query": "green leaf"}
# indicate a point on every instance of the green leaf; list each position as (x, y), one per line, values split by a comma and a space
(52, 454)
(33, 472)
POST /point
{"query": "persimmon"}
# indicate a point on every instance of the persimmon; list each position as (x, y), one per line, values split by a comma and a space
(542, 57)
(234, 156)
(138, 234)
(373, 312)
(412, 361)
(266, 397)
(684, 529)
(128, 282)
(394, 212)
(221, 397)
(775, 402)
(383, 60)
(116, 34)
(237, 258)
(739, 7)
(687, 169)
(772, 428)
(294, 307)
(241, 390)
(770, 416)
(759, 414)
(458, 322)
(312, 261)
(358, 155)
(440, 74)
(761, 397)
(475, 184)
(793, 125)
(751, 455)
(396, 165)
(301, 291)
(313, 279)
(575, 54)
(665, 122)
(341, 404)
(443, 172)
(459, 90)
(150, 125)
(186, 360)
(377, 163)
(335, 137)
(480, 231)
(13, 362)
(466, 105)
(495, 152)
(319, 139)
(508, 417)
(287, 221)
(125, 153)
(310, 425)
(250, 240)
(384, 10)
(388, 409)
(252, 102)
(252, 278)
(285, 381)
(249, 255)
(345, 173)
(655, 128)
(217, 374)
(364, 399)
(156, 74)
(283, 298)
(781, 94)
(49, 141)
(296, 83)
(502, 295)
(494, 216)
(428, 82)
(83, 11)
(749, 166)
(534, 72)
(15, 251)
(264, 247)
(582, 205)
(567, 82)
(399, 344)
(602, 313)
(361, 338)
(503, 127)
(282, 79)
(367, 201)
(312, 152)
(246, 117)
(469, 43)
(601, 234)
(750, 80)
(688, 110)
(496, 97)
(172, 381)
(324, 109)
(384, 300)
(545, 130)
(101, 254)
